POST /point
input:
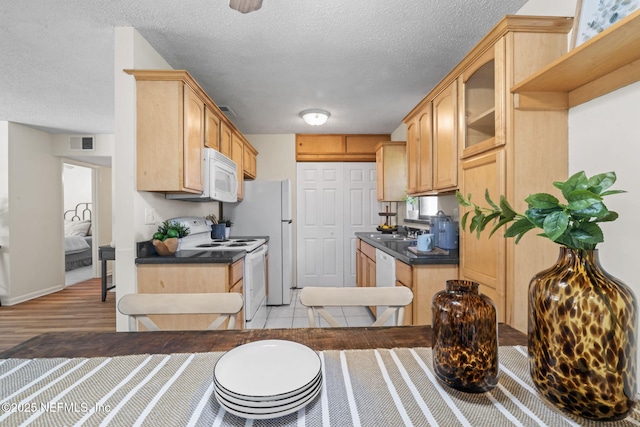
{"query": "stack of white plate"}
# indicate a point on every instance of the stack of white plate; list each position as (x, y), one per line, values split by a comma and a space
(267, 379)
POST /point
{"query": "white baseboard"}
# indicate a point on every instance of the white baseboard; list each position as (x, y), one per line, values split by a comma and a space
(32, 295)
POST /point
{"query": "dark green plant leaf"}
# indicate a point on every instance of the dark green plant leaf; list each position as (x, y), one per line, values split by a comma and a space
(599, 183)
(507, 210)
(555, 224)
(588, 232)
(537, 216)
(499, 224)
(575, 182)
(489, 201)
(521, 226)
(461, 200)
(611, 216)
(542, 201)
(597, 210)
(582, 199)
(476, 222)
(566, 240)
(610, 192)
(463, 220)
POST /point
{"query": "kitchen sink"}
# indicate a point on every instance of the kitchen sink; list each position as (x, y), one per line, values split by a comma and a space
(392, 237)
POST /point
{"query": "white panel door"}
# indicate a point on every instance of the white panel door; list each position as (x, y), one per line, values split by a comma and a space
(320, 224)
(361, 209)
(334, 200)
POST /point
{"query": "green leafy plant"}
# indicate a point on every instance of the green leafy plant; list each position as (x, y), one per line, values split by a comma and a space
(169, 229)
(410, 200)
(227, 222)
(573, 224)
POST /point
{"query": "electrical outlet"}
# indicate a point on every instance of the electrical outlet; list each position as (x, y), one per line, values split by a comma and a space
(149, 216)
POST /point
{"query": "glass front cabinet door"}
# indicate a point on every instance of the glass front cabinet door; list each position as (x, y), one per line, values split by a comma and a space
(482, 102)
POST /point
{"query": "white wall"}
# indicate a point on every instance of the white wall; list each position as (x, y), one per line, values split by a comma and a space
(276, 156)
(31, 201)
(5, 268)
(400, 134)
(604, 136)
(102, 147)
(549, 8)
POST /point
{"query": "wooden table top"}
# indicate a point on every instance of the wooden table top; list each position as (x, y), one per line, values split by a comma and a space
(108, 344)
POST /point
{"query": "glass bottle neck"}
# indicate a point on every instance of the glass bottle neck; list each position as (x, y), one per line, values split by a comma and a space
(467, 286)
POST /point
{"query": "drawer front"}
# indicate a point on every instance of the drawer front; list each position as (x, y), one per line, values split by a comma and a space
(368, 250)
(236, 273)
(403, 274)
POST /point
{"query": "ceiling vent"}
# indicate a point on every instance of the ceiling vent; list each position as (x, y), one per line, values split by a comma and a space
(227, 111)
(81, 143)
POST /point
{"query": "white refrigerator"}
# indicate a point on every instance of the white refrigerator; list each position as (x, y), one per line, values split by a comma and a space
(266, 211)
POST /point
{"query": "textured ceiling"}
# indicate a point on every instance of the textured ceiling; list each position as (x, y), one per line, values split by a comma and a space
(368, 62)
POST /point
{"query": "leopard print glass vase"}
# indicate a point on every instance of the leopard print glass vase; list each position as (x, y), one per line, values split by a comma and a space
(582, 337)
(465, 340)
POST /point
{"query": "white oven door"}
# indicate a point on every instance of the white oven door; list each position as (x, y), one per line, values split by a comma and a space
(255, 288)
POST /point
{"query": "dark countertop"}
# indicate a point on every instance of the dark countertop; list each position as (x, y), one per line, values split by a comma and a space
(148, 255)
(400, 251)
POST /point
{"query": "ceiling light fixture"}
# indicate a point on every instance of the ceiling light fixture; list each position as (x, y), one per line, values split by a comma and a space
(245, 6)
(315, 116)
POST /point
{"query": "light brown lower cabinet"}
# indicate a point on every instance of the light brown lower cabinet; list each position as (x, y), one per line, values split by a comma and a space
(190, 278)
(366, 266)
(424, 281)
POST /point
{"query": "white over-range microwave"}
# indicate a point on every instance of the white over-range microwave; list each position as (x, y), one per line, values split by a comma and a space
(220, 180)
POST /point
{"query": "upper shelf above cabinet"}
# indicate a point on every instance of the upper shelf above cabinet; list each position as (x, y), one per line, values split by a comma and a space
(606, 62)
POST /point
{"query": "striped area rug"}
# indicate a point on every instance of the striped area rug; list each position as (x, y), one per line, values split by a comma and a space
(361, 388)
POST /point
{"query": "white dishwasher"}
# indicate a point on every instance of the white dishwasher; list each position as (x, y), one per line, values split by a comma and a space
(385, 277)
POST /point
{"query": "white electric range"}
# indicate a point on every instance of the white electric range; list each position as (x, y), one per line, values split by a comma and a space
(255, 264)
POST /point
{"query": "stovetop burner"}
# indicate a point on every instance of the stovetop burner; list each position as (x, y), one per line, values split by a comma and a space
(200, 238)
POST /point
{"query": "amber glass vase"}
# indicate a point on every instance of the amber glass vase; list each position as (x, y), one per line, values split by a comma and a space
(465, 340)
(582, 337)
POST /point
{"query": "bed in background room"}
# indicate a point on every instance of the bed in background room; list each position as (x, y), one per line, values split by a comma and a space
(78, 237)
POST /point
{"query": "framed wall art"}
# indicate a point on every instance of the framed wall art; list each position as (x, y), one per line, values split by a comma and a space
(595, 16)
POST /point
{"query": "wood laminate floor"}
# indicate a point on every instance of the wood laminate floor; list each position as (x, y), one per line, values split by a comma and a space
(76, 308)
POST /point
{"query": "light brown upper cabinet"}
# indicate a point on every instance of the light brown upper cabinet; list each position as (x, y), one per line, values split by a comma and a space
(337, 148)
(176, 119)
(413, 167)
(391, 176)
(170, 134)
(225, 139)
(237, 155)
(420, 153)
(482, 102)
(445, 139)
(211, 129)
(432, 145)
(249, 161)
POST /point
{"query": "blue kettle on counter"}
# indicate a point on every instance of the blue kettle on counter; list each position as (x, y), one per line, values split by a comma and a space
(445, 231)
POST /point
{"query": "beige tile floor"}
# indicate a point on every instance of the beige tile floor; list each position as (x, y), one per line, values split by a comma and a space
(294, 315)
